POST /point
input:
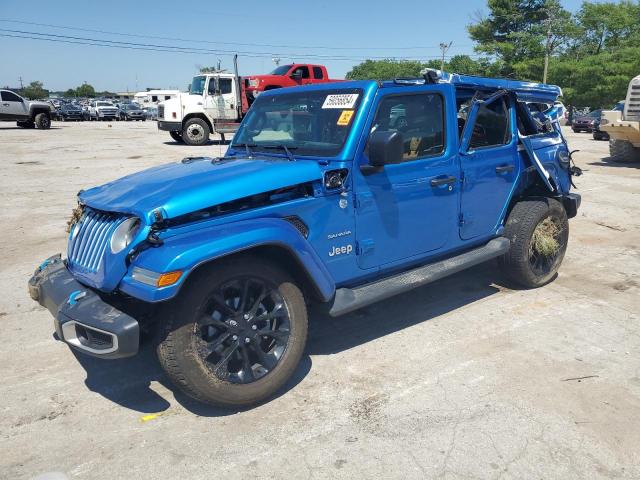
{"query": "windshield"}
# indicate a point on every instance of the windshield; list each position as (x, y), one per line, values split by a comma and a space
(103, 104)
(197, 85)
(595, 113)
(314, 123)
(281, 70)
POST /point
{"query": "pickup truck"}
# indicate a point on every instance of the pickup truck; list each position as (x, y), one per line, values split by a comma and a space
(102, 110)
(322, 197)
(26, 114)
(217, 102)
(292, 75)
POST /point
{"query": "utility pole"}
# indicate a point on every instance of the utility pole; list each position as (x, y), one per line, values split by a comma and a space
(547, 48)
(21, 85)
(444, 48)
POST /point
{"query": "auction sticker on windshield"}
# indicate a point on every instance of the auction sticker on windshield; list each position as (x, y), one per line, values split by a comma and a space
(342, 101)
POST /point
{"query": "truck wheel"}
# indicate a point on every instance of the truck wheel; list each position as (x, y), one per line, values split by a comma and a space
(236, 334)
(623, 151)
(195, 132)
(42, 121)
(539, 233)
(176, 136)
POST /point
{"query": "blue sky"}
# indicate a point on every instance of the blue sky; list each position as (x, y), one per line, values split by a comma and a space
(294, 30)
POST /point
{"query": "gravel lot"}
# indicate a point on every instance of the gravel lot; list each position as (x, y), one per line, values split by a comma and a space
(465, 378)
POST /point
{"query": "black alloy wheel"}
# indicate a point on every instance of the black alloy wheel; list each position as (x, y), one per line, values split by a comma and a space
(244, 330)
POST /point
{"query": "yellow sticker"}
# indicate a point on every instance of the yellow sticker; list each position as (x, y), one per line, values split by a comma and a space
(345, 117)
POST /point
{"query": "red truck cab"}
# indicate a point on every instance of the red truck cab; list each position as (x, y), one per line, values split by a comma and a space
(290, 75)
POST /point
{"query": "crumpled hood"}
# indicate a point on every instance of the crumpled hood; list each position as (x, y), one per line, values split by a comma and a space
(180, 188)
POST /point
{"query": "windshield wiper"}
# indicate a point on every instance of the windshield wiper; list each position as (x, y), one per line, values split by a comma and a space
(283, 147)
(247, 147)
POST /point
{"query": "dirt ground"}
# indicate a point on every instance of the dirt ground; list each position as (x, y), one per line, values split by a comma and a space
(464, 378)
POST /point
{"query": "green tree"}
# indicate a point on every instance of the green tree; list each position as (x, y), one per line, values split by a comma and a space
(518, 33)
(85, 90)
(35, 90)
(596, 81)
(606, 26)
(70, 93)
(385, 69)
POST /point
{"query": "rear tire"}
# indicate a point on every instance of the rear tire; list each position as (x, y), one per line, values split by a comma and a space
(26, 124)
(43, 121)
(539, 233)
(209, 346)
(623, 151)
(177, 136)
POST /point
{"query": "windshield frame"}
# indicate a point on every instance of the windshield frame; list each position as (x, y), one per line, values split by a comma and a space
(269, 148)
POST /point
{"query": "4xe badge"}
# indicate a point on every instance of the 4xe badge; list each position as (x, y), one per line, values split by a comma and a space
(344, 250)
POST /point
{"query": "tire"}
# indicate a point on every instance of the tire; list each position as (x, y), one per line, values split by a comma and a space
(42, 121)
(209, 311)
(534, 225)
(177, 136)
(195, 132)
(623, 151)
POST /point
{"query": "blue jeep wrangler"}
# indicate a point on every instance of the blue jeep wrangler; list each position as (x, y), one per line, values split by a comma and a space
(344, 194)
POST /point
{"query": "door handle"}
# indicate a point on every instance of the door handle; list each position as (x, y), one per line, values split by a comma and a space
(438, 182)
(505, 168)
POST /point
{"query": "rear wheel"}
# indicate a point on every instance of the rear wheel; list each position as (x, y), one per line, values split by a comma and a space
(176, 136)
(43, 121)
(195, 132)
(623, 151)
(26, 124)
(236, 334)
(539, 234)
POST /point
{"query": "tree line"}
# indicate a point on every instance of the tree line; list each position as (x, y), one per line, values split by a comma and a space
(35, 90)
(591, 54)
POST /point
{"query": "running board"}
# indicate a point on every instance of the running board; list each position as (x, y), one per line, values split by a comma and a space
(349, 299)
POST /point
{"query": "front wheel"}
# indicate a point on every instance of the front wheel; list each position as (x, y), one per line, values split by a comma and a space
(539, 233)
(195, 132)
(43, 121)
(236, 334)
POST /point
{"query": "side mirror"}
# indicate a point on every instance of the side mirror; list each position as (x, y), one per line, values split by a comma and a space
(297, 75)
(385, 148)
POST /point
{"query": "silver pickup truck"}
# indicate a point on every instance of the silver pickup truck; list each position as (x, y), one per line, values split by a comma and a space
(27, 114)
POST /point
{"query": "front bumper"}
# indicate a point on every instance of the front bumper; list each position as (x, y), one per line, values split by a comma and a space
(571, 202)
(81, 318)
(169, 126)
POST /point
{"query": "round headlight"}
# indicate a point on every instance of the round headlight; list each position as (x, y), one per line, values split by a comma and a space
(123, 235)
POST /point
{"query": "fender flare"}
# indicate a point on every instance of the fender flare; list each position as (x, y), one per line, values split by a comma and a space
(193, 249)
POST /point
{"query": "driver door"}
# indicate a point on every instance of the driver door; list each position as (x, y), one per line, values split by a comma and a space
(13, 107)
(407, 209)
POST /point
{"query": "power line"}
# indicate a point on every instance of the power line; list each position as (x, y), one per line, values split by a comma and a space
(217, 42)
(178, 49)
